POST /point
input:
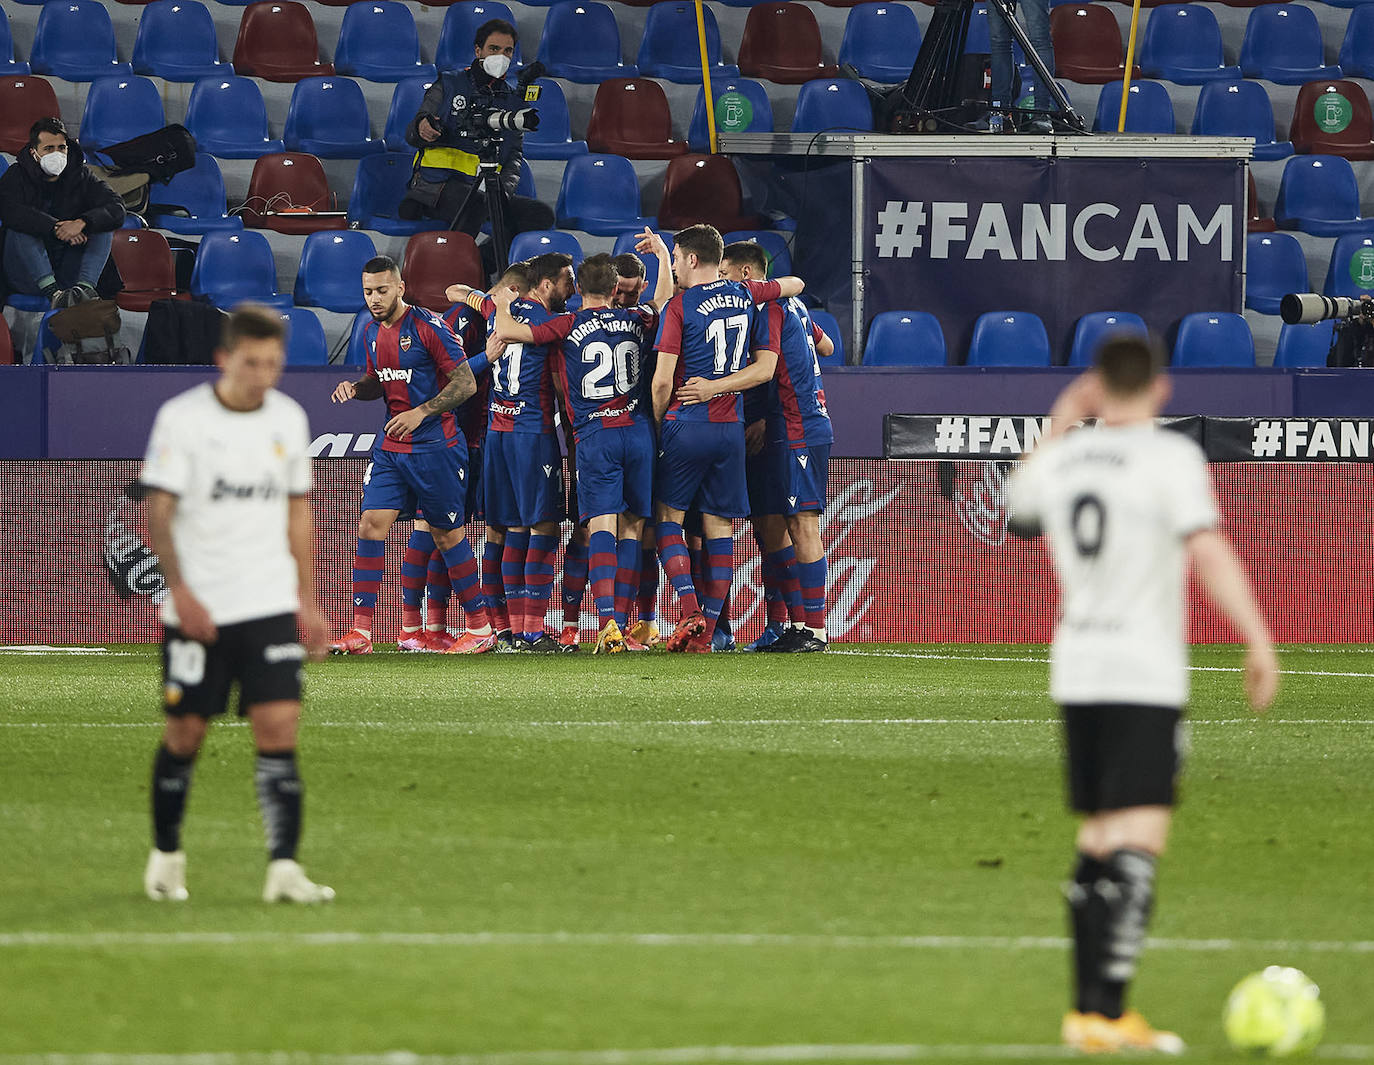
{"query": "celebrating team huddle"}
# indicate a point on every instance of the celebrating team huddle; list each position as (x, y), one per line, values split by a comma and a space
(680, 414)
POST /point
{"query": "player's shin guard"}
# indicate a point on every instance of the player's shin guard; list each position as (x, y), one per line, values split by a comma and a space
(1129, 890)
(672, 548)
(719, 564)
(281, 796)
(493, 586)
(414, 564)
(171, 786)
(513, 574)
(538, 582)
(1088, 922)
(438, 588)
(785, 562)
(603, 570)
(576, 566)
(626, 578)
(812, 578)
(368, 566)
(462, 572)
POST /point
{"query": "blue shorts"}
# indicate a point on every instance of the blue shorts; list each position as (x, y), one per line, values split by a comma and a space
(763, 473)
(476, 510)
(434, 481)
(701, 464)
(806, 477)
(522, 479)
(615, 472)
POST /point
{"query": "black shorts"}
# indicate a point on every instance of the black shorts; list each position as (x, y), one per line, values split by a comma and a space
(264, 656)
(1121, 755)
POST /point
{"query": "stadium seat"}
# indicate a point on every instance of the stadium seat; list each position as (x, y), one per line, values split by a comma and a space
(199, 192)
(581, 42)
(24, 99)
(630, 117)
(305, 341)
(979, 37)
(1333, 118)
(176, 42)
(378, 41)
(1149, 109)
(553, 139)
(1182, 43)
(331, 270)
(830, 104)
(437, 259)
(1239, 109)
(1213, 339)
(626, 243)
(1283, 44)
(703, 188)
(328, 117)
(357, 350)
(1303, 345)
(234, 267)
(534, 242)
(75, 41)
(1351, 269)
(670, 48)
(277, 42)
(228, 118)
(774, 247)
(1256, 221)
(282, 191)
(1318, 195)
(378, 188)
(742, 106)
(600, 194)
(1275, 265)
(881, 41)
(1357, 48)
(831, 327)
(6, 344)
(1087, 44)
(146, 268)
(782, 43)
(1009, 338)
(8, 64)
(524, 185)
(405, 104)
(1092, 329)
(904, 338)
(118, 109)
(454, 50)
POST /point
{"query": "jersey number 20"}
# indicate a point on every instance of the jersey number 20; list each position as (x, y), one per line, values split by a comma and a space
(619, 360)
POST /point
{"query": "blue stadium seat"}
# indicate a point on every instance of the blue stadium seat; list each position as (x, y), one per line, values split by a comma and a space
(1283, 44)
(198, 191)
(331, 270)
(1149, 109)
(742, 106)
(1357, 49)
(1239, 109)
(1303, 345)
(233, 267)
(378, 187)
(1009, 338)
(671, 50)
(357, 351)
(377, 41)
(600, 194)
(534, 242)
(118, 109)
(553, 139)
(75, 41)
(1318, 194)
(305, 341)
(1092, 329)
(626, 243)
(1346, 3)
(176, 42)
(1033, 95)
(327, 117)
(1182, 43)
(774, 246)
(980, 37)
(1213, 339)
(405, 104)
(8, 64)
(904, 338)
(228, 118)
(1274, 265)
(827, 103)
(831, 328)
(524, 186)
(880, 40)
(581, 42)
(1350, 271)
(454, 50)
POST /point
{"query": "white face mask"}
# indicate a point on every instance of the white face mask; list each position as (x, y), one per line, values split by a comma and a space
(53, 163)
(496, 65)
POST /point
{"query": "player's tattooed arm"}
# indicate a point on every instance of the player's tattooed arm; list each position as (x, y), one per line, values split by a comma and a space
(194, 619)
(460, 388)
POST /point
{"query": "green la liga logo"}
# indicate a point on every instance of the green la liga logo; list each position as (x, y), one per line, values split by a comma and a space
(1362, 268)
(734, 112)
(1333, 112)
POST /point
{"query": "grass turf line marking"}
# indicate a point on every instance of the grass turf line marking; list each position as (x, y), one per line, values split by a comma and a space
(788, 722)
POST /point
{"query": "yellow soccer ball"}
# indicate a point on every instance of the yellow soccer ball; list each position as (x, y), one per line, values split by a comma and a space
(1276, 1013)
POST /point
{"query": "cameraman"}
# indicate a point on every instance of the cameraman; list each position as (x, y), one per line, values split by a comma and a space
(448, 153)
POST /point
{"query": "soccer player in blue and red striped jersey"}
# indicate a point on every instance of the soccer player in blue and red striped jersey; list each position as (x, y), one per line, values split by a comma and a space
(708, 329)
(601, 352)
(417, 365)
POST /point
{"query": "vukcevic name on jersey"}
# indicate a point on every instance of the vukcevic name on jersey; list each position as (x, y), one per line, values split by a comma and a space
(603, 355)
(711, 329)
(522, 379)
(414, 360)
(471, 329)
(797, 416)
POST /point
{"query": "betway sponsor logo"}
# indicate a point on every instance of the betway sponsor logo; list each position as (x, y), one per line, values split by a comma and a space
(387, 373)
(1046, 232)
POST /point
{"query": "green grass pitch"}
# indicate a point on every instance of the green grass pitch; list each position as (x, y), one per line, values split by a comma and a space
(606, 861)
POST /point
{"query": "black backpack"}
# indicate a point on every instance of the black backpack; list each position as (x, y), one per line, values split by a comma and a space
(182, 333)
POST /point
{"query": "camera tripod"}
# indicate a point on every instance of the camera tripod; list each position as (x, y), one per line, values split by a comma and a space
(487, 183)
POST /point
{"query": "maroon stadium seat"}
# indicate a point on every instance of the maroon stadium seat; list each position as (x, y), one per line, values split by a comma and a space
(782, 43)
(277, 42)
(24, 99)
(1256, 221)
(630, 117)
(1087, 44)
(1332, 118)
(703, 188)
(144, 261)
(6, 344)
(284, 181)
(436, 259)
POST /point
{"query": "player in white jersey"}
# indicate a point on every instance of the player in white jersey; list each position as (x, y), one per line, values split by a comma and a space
(1126, 508)
(227, 477)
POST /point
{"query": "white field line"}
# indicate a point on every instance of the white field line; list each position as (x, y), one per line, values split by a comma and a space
(37, 649)
(1044, 661)
(718, 722)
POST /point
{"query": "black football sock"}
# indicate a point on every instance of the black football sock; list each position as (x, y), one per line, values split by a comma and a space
(171, 785)
(1087, 920)
(281, 796)
(1129, 891)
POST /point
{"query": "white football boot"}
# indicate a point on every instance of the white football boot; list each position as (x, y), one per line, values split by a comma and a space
(287, 882)
(165, 878)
